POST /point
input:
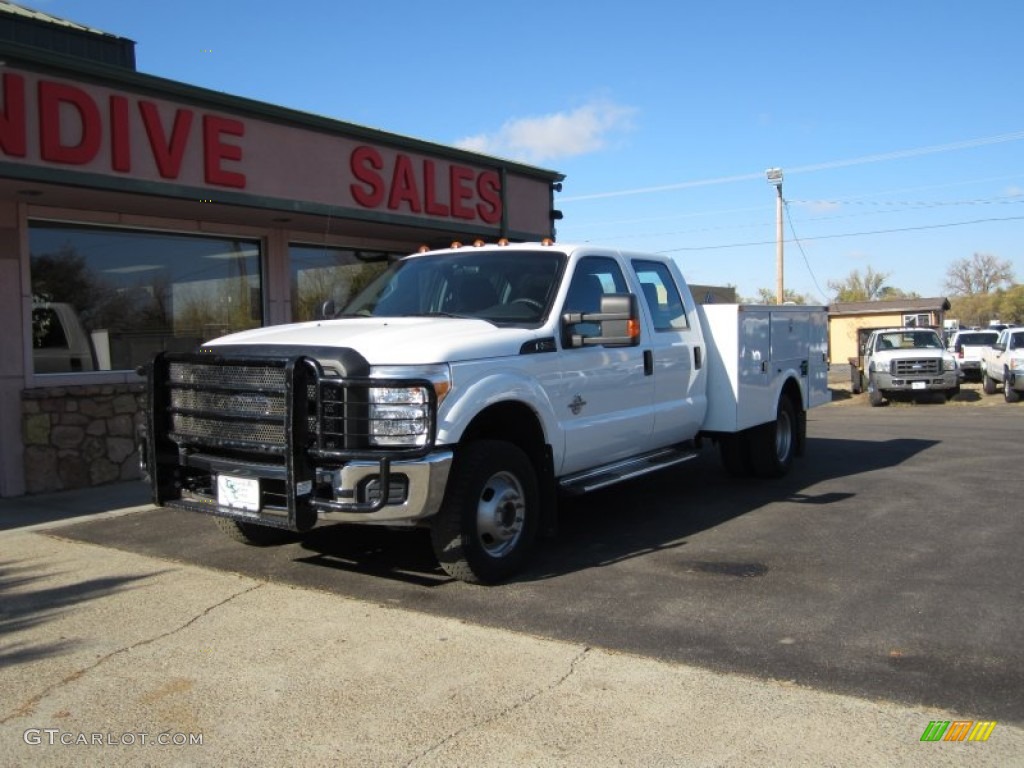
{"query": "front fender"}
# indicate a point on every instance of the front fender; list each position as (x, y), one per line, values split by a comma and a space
(465, 401)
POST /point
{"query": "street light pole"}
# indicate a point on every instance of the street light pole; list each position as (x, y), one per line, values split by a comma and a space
(774, 176)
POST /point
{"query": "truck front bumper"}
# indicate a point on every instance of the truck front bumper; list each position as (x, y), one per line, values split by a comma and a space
(416, 489)
(928, 383)
(274, 441)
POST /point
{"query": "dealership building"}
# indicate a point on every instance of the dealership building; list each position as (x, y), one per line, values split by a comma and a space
(139, 214)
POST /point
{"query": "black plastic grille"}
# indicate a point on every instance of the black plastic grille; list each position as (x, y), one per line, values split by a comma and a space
(245, 377)
(919, 367)
(204, 430)
(213, 404)
(240, 403)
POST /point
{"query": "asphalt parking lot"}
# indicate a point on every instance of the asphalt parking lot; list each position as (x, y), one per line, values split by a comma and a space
(886, 566)
(831, 618)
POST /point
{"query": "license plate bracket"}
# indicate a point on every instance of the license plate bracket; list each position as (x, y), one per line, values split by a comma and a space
(919, 385)
(236, 492)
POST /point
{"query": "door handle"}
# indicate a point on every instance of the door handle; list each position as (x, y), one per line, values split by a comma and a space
(697, 359)
(648, 362)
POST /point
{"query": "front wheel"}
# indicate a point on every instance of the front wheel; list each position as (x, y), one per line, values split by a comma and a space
(875, 396)
(487, 524)
(988, 384)
(1010, 394)
(773, 445)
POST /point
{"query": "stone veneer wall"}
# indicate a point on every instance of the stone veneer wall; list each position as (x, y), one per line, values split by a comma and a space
(81, 436)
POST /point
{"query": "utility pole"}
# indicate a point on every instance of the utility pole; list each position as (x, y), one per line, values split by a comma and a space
(774, 176)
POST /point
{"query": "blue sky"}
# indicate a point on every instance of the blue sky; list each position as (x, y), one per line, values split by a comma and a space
(899, 124)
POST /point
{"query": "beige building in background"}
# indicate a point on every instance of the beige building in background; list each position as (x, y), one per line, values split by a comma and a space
(845, 319)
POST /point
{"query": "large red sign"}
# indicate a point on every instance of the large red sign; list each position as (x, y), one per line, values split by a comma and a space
(471, 194)
(73, 126)
(49, 122)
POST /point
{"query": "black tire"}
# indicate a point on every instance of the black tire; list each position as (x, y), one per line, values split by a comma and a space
(875, 396)
(735, 454)
(486, 527)
(254, 534)
(1010, 394)
(773, 445)
(951, 393)
(988, 384)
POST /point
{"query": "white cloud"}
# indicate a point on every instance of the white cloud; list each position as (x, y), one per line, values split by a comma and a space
(551, 137)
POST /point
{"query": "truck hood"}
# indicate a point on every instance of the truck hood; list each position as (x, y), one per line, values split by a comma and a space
(392, 340)
(926, 353)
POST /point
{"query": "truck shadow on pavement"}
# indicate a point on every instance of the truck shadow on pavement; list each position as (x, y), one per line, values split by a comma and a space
(661, 510)
(631, 520)
(664, 509)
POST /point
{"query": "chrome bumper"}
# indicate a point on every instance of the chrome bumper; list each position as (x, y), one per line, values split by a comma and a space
(424, 480)
(932, 382)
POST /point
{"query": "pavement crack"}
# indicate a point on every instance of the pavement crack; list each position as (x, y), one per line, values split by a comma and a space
(29, 705)
(573, 665)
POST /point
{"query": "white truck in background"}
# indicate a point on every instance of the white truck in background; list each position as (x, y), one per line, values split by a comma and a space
(906, 362)
(968, 346)
(1002, 365)
(466, 389)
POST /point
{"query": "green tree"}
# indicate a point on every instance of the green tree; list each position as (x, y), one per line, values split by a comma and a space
(870, 286)
(1010, 305)
(976, 310)
(768, 296)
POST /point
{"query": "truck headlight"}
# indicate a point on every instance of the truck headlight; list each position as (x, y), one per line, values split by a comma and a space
(399, 415)
(948, 364)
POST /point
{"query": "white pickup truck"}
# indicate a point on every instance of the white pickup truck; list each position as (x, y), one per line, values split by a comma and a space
(466, 389)
(907, 362)
(1002, 365)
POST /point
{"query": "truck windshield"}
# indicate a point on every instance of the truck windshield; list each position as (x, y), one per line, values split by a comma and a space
(909, 340)
(513, 288)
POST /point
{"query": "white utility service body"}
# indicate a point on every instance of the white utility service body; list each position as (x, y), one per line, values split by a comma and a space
(466, 389)
(753, 350)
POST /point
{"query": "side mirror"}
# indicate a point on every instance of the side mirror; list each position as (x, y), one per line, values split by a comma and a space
(618, 319)
(326, 310)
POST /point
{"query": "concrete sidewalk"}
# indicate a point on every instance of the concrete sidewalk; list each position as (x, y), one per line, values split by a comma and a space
(104, 650)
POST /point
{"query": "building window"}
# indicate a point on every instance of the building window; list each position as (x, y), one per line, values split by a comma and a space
(110, 299)
(917, 321)
(321, 274)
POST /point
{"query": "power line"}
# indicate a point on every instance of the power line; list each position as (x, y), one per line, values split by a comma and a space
(813, 168)
(1002, 200)
(846, 234)
(803, 253)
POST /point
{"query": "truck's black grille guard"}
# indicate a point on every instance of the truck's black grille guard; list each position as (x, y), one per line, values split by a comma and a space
(277, 419)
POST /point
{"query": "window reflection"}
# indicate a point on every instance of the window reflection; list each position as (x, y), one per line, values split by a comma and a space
(120, 296)
(321, 274)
